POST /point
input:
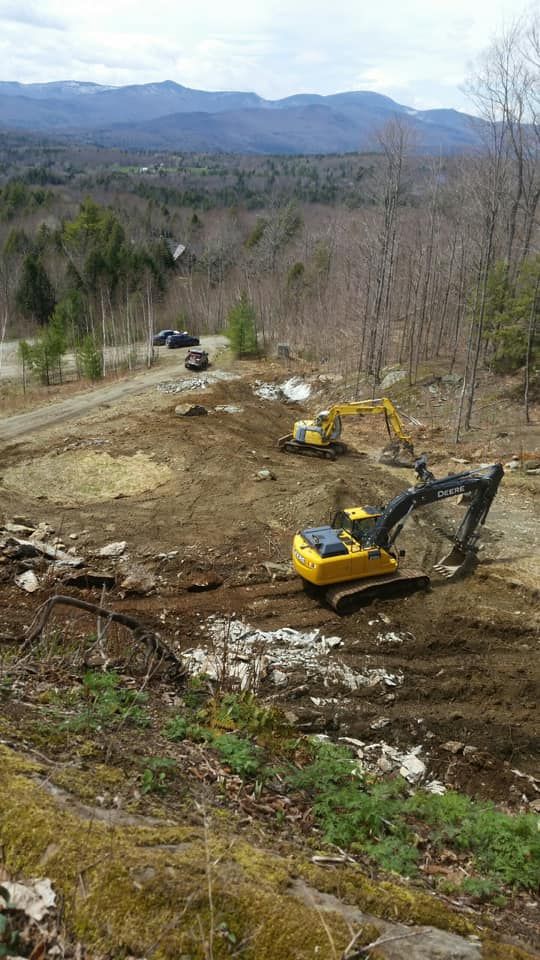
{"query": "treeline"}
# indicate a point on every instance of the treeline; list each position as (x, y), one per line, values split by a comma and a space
(105, 292)
(433, 259)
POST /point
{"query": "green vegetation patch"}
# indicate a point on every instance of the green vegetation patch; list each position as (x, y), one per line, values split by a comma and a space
(381, 819)
(106, 703)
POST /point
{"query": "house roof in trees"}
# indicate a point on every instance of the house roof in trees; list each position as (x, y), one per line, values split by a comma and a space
(177, 249)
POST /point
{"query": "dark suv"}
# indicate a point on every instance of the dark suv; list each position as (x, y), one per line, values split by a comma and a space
(196, 359)
(160, 339)
(182, 340)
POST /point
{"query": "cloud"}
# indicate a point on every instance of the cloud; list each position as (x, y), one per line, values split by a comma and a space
(417, 53)
(26, 13)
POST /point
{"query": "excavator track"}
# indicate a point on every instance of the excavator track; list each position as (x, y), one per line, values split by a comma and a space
(290, 445)
(344, 597)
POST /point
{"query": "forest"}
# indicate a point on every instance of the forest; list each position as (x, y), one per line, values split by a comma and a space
(361, 261)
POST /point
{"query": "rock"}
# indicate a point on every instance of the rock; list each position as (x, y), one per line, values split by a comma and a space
(453, 746)
(228, 408)
(30, 548)
(452, 378)
(74, 536)
(279, 678)
(190, 410)
(138, 580)
(392, 377)
(531, 466)
(380, 723)
(42, 531)
(469, 750)
(27, 581)
(435, 786)
(412, 768)
(535, 806)
(203, 581)
(278, 571)
(18, 528)
(113, 549)
(90, 579)
(265, 474)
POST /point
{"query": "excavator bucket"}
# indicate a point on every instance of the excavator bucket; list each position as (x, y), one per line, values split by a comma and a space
(456, 563)
(398, 453)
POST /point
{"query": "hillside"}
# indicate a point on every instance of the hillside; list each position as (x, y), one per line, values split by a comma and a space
(232, 753)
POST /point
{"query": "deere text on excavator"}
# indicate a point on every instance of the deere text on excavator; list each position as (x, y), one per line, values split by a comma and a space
(354, 558)
(320, 437)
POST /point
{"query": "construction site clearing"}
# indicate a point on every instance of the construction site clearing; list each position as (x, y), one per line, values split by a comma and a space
(176, 507)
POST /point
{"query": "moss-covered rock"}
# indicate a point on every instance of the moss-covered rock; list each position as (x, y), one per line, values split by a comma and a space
(168, 889)
(190, 889)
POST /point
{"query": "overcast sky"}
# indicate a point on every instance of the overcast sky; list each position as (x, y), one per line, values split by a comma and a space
(416, 51)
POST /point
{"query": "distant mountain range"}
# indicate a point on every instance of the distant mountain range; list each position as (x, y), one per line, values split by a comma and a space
(168, 116)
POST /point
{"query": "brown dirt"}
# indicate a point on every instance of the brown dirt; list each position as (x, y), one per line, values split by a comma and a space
(467, 653)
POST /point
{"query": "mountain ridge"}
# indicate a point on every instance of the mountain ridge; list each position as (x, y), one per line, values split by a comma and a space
(171, 116)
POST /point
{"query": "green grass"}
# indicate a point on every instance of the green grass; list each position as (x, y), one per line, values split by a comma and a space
(382, 820)
(106, 703)
(377, 818)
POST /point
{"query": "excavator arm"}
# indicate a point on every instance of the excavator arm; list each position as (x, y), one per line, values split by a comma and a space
(481, 485)
(328, 420)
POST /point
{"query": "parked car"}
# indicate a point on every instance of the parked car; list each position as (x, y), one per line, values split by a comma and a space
(196, 359)
(182, 340)
(160, 339)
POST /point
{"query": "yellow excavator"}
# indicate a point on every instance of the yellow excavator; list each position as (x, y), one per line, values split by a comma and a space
(320, 437)
(354, 558)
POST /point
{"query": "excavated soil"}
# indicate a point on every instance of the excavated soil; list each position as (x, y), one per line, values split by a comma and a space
(464, 653)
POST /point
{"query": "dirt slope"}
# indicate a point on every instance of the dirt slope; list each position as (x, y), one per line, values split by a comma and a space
(466, 650)
(462, 658)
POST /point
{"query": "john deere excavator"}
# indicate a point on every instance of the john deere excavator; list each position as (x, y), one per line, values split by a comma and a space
(354, 558)
(320, 437)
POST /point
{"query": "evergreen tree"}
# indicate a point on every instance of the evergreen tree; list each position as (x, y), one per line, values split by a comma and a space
(241, 327)
(35, 295)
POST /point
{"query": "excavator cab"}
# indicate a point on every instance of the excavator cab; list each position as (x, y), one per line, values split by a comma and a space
(360, 523)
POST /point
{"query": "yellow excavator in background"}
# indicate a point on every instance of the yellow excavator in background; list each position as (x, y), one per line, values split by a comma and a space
(320, 437)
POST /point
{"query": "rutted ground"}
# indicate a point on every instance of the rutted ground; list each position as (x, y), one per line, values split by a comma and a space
(451, 672)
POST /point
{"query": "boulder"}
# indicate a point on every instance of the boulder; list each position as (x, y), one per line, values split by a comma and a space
(27, 581)
(113, 549)
(190, 410)
(392, 377)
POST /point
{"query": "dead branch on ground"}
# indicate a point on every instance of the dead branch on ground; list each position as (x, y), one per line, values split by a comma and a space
(148, 638)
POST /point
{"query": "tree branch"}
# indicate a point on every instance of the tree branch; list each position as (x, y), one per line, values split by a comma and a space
(148, 638)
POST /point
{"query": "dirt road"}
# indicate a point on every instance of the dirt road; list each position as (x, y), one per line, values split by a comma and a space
(171, 363)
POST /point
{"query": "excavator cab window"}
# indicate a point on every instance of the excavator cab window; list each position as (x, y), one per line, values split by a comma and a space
(358, 529)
